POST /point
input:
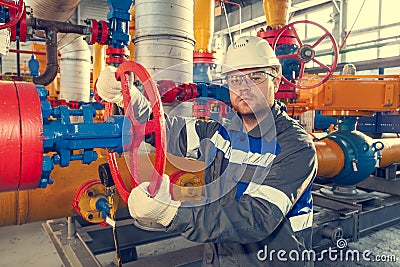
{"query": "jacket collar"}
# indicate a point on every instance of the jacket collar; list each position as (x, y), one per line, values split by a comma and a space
(266, 128)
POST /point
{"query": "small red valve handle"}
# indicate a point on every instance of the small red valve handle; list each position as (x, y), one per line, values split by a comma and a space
(306, 53)
(19, 8)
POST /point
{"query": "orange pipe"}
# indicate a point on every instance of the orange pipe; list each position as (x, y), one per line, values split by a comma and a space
(391, 151)
(56, 200)
(276, 12)
(330, 158)
(99, 62)
(203, 25)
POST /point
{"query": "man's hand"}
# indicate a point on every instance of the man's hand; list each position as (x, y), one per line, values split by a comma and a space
(160, 209)
(108, 88)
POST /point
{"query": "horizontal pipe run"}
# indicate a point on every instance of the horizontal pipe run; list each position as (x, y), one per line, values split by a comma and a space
(26, 52)
(62, 27)
(391, 151)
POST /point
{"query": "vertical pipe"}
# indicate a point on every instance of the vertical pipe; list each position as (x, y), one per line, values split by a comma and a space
(71, 227)
(203, 24)
(164, 40)
(98, 60)
(132, 32)
(276, 12)
(74, 68)
(18, 60)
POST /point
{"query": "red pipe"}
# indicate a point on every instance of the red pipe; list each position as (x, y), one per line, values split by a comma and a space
(27, 52)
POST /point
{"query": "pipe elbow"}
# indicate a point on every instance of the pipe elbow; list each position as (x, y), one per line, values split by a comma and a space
(51, 66)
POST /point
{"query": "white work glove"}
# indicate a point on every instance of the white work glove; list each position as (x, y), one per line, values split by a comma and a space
(160, 209)
(110, 90)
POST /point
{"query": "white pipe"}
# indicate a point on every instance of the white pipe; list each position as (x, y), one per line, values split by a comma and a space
(53, 9)
(75, 53)
(164, 43)
(74, 68)
(164, 40)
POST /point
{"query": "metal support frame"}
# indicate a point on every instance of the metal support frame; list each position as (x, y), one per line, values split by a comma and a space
(354, 218)
(100, 239)
(333, 219)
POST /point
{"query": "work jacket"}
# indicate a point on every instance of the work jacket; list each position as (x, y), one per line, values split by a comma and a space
(256, 207)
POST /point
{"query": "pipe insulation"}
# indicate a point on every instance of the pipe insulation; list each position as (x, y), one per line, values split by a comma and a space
(74, 68)
(75, 53)
(164, 40)
(53, 9)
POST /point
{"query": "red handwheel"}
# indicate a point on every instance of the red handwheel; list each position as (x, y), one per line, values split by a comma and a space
(16, 7)
(306, 53)
(137, 130)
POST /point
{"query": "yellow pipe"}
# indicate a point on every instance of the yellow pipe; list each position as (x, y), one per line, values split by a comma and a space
(276, 12)
(330, 158)
(56, 200)
(132, 32)
(203, 25)
(98, 60)
(391, 151)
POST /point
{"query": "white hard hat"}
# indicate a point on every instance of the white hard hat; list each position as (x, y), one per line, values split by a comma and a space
(250, 52)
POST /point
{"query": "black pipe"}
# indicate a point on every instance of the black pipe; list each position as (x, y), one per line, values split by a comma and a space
(63, 27)
(52, 28)
(18, 60)
(51, 60)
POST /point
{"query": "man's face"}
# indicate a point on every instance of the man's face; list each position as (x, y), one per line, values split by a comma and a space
(252, 90)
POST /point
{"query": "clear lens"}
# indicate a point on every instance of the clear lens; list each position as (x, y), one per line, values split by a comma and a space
(252, 78)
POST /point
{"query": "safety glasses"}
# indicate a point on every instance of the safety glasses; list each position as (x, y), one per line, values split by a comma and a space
(252, 78)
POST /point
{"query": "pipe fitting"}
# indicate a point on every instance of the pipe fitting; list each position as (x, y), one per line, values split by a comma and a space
(51, 60)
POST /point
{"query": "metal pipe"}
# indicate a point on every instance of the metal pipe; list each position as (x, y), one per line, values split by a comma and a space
(330, 158)
(51, 60)
(276, 12)
(18, 60)
(99, 62)
(364, 65)
(391, 151)
(26, 52)
(164, 40)
(74, 68)
(71, 227)
(75, 56)
(55, 201)
(132, 33)
(58, 26)
(203, 25)
(239, 14)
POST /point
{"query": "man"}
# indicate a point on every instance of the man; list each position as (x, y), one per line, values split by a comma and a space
(256, 208)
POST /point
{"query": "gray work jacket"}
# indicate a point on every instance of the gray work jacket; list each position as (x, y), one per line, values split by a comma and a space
(257, 207)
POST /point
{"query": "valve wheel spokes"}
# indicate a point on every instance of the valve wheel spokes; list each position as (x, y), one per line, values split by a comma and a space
(306, 53)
